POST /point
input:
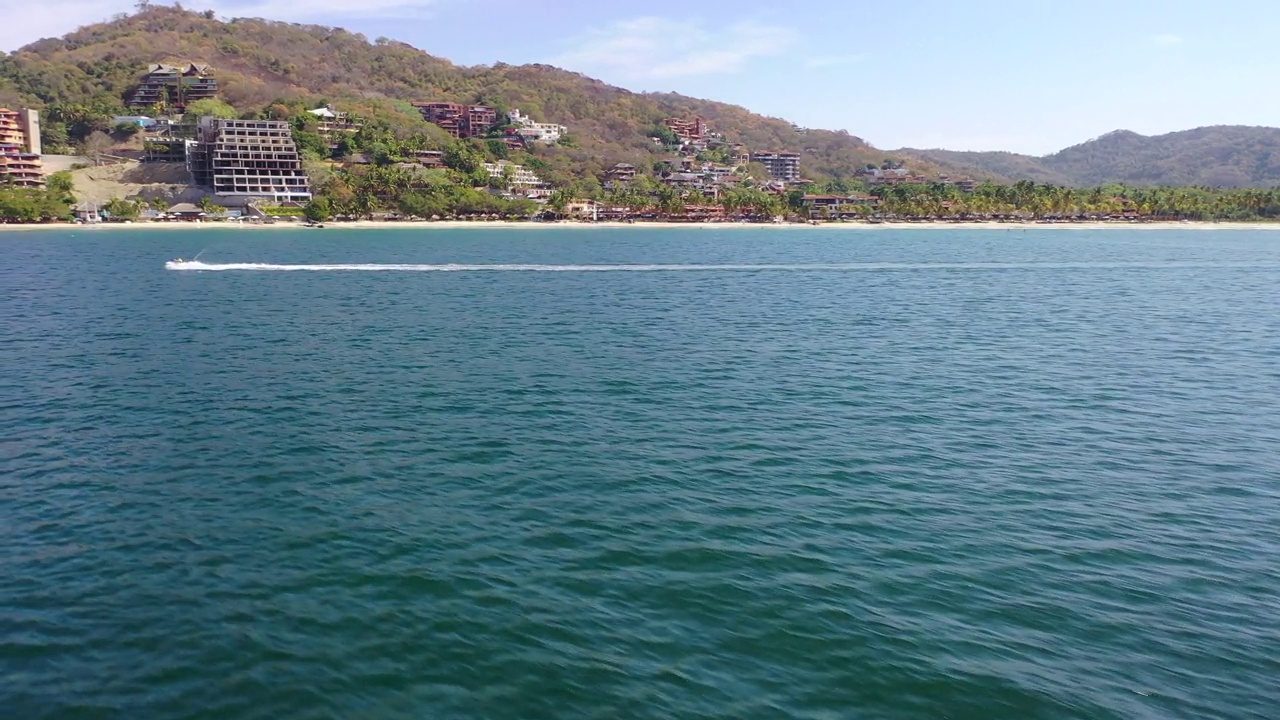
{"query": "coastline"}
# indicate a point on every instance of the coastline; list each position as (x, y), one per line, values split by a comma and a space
(565, 224)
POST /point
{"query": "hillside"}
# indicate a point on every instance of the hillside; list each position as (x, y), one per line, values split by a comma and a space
(1219, 156)
(260, 61)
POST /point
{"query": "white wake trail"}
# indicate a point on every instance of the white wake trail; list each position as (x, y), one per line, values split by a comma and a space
(190, 265)
(457, 267)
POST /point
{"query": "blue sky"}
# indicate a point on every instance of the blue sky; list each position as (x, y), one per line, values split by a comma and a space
(1028, 76)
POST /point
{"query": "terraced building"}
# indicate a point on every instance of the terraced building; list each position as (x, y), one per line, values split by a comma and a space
(248, 159)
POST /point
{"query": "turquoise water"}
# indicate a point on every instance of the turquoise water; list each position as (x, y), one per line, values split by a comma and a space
(749, 474)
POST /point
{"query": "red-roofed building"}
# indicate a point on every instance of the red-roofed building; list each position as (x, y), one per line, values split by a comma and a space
(687, 129)
(460, 121)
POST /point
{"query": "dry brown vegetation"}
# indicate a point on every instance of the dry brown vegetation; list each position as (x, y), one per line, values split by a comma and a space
(260, 61)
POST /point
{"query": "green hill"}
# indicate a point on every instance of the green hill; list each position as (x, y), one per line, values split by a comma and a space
(259, 61)
(1219, 156)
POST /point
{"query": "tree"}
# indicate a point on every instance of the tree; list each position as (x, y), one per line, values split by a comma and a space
(757, 171)
(559, 200)
(421, 205)
(463, 157)
(96, 145)
(497, 148)
(318, 210)
(211, 107)
(210, 206)
(119, 209)
(311, 143)
(60, 183)
(665, 134)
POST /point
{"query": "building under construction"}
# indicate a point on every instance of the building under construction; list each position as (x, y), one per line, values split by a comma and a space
(248, 159)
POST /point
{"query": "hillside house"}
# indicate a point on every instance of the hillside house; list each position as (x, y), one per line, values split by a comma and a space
(430, 159)
(525, 127)
(620, 173)
(332, 125)
(460, 121)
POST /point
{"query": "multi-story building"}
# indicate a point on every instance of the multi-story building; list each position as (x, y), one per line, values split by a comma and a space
(20, 148)
(480, 119)
(521, 177)
(174, 87)
(460, 121)
(784, 166)
(531, 131)
(249, 159)
(687, 129)
(450, 117)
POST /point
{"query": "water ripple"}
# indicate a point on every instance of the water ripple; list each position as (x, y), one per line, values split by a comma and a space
(651, 474)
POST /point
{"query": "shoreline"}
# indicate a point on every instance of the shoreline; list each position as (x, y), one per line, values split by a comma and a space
(565, 224)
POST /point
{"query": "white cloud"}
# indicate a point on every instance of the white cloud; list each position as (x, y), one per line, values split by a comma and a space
(653, 48)
(1166, 39)
(26, 22)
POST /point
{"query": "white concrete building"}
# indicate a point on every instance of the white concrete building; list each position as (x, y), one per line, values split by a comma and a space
(521, 177)
(531, 131)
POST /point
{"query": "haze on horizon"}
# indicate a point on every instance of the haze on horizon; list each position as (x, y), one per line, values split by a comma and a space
(1030, 77)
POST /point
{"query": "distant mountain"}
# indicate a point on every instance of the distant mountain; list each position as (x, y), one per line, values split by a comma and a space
(257, 62)
(1218, 156)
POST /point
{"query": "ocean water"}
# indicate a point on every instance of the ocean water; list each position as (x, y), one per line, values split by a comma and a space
(640, 473)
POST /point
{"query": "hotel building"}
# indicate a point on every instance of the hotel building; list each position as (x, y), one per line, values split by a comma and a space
(20, 148)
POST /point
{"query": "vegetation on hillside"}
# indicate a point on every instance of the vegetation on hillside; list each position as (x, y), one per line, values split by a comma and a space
(82, 79)
(280, 70)
(1028, 199)
(1220, 156)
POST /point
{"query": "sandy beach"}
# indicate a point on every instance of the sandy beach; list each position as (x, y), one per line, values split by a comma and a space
(562, 225)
